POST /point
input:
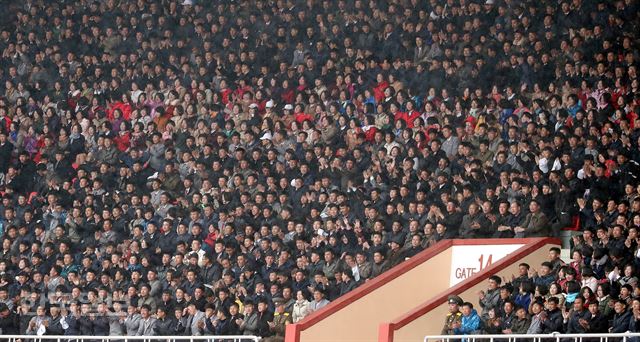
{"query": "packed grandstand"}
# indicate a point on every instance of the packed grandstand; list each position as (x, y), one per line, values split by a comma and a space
(229, 167)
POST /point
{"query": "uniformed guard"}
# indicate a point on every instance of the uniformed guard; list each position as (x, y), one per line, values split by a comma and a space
(453, 316)
(280, 321)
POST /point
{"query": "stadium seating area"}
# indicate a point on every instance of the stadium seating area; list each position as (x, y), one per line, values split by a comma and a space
(192, 167)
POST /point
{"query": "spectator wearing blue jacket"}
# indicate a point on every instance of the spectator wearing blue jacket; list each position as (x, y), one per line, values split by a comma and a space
(544, 276)
(470, 323)
(525, 294)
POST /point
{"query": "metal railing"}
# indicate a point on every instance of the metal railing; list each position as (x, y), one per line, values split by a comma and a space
(557, 337)
(73, 338)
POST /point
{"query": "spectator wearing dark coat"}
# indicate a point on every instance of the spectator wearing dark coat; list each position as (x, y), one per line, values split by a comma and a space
(55, 325)
(85, 323)
(597, 322)
(70, 320)
(8, 321)
(489, 299)
(165, 324)
(554, 321)
(101, 321)
(622, 317)
(574, 319)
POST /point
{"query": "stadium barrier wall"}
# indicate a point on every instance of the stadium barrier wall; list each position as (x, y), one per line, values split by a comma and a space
(357, 315)
(428, 317)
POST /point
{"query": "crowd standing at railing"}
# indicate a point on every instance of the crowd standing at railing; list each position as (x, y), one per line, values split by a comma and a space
(228, 167)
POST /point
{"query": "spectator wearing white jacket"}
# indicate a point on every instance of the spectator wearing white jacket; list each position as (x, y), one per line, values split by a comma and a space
(588, 279)
(301, 308)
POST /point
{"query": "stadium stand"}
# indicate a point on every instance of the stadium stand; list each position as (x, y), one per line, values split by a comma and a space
(229, 167)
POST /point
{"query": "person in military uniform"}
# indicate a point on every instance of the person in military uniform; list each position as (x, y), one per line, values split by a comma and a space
(453, 316)
(280, 321)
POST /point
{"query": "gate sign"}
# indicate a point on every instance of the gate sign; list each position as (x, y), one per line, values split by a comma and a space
(469, 260)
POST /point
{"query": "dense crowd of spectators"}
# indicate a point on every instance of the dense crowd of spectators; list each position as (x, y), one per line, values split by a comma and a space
(228, 167)
(589, 295)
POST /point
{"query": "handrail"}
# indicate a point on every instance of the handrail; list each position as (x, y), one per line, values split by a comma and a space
(65, 338)
(441, 298)
(513, 337)
(386, 330)
(294, 330)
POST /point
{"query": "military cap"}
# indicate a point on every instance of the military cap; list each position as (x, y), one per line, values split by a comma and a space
(453, 299)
